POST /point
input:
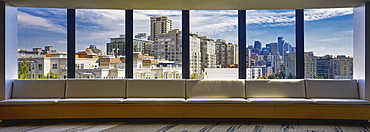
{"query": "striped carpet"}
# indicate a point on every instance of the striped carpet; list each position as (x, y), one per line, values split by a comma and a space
(116, 126)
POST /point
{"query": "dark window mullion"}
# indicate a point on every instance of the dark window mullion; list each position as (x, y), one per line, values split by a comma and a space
(185, 44)
(242, 44)
(299, 31)
(129, 28)
(71, 42)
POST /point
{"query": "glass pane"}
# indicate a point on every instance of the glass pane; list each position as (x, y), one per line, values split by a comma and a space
(329, 43)
(157, 44)
(270, 44)
(42, 37)
(100, 46)
(213, 44)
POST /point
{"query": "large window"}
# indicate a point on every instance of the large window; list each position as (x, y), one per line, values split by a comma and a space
(213, 44)
(157, 44)
(270, 44)
(100, 43)
(329, 43)
(42, 42)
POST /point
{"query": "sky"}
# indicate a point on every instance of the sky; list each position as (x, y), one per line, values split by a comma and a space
(327, 31)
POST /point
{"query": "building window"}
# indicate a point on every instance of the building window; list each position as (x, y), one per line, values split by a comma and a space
(55, 66)
(40, 66)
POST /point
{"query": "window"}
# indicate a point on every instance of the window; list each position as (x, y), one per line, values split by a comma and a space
(270, 44)
(100, 43)
(214, 34)
(157, 40)
(55, 66)
(329, 43)
(42, 42)
(40, 66)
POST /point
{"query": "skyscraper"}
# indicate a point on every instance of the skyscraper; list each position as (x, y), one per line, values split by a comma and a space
(281, 43)
(159, 25)
(274, 49)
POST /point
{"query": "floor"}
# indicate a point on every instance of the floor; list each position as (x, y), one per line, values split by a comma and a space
(183, 126)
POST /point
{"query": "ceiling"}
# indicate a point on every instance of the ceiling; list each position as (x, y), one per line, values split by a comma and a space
(187, 4)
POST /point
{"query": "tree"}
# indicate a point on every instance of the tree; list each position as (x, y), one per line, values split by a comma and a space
(290, 76)
(318, 77)
(193, 76)
(263, 77)
(51, 75)
(23, 70)
(272, 76)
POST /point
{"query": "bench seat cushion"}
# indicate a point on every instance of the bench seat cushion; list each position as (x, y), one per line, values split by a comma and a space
(28, 101)
(154, 100)
(275, 88)
(90, 101)
(216, 101)
(332, 89)
(280, 101)
(215, 88)
(341, 101)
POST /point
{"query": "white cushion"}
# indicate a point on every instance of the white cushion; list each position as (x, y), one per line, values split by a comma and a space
(95, 88)
(154, 100)
(38, 88)
(90, 101)
(337, 89)
(28, 101)
(145, 88)
(341, 101)
(215, 88)
(280, 101)
(275, 88)
(216, 101)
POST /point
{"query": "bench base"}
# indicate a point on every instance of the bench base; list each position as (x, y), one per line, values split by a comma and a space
(186, 111)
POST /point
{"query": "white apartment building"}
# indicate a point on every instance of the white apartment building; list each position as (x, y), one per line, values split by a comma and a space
(169, 47)
(309, 65)
(208, 52)
(105, 67)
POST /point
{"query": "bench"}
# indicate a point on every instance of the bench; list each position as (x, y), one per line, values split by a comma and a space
(185, 98)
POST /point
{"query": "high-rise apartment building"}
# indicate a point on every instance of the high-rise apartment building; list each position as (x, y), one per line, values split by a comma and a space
(309, 65)
(342, 67)
(169, 47)
(323, 66)
(289, 61)
(159, 25)
(208, 52)
(226, 53)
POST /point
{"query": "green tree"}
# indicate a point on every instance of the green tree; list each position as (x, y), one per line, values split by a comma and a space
(51, 75)
(193, 76)
(318, 77)
(23, 70)
(263, 77)
(290, 76)
(272, 76)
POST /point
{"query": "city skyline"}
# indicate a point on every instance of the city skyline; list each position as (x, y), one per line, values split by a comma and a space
(95, 27)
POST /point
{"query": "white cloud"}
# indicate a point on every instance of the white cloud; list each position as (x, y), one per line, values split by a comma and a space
(319, 14)
(26, 20)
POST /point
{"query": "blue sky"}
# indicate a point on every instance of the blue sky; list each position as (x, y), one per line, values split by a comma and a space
(327, 31)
